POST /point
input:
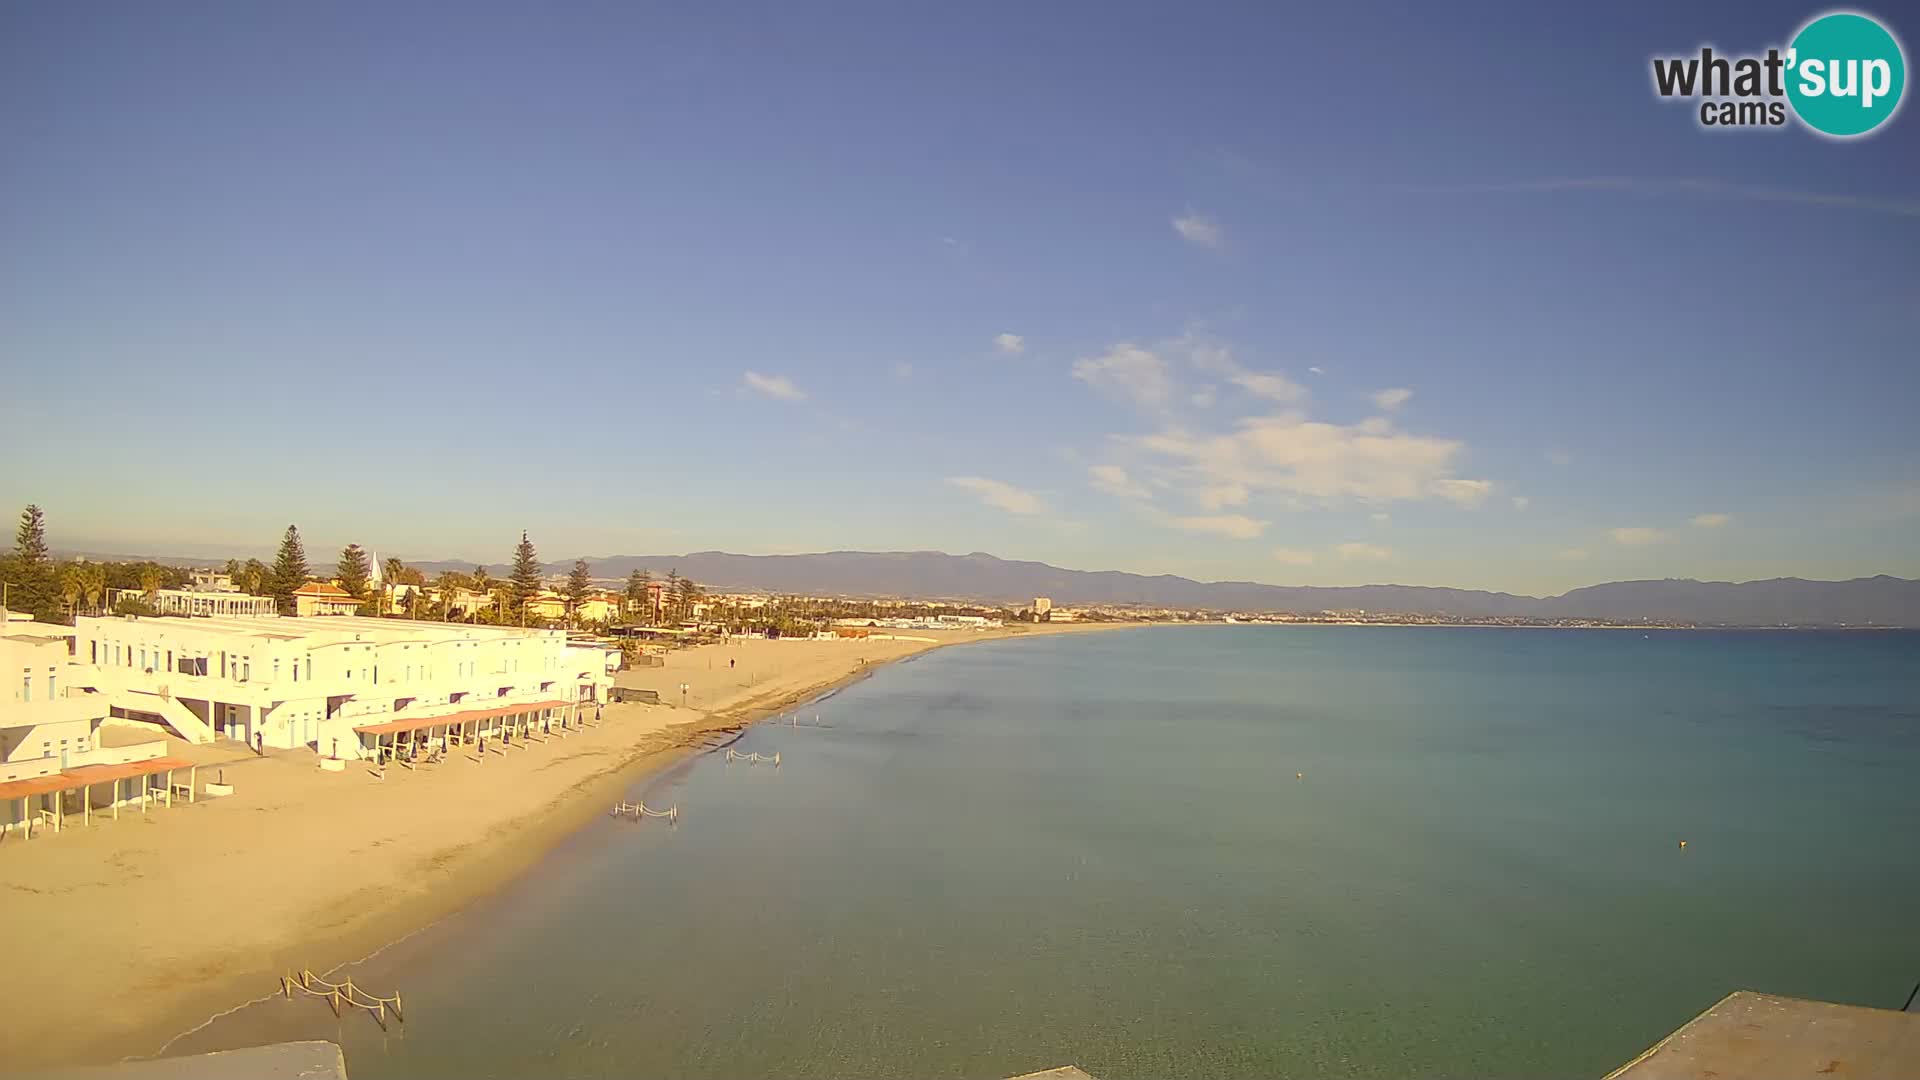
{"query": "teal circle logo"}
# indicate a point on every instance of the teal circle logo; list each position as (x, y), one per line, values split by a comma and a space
(1845, 74)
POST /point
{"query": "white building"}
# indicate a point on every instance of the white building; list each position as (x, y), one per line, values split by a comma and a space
(53, 738)
(198, 602)
(311, 682)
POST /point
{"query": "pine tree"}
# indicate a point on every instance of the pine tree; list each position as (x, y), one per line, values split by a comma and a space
(289, 570)
(637, 590)
(30, 570)
(355, 572)
(579, 584)
(689, 593)
(526, 575)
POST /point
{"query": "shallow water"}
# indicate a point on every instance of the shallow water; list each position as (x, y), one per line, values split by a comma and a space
(1095, 849)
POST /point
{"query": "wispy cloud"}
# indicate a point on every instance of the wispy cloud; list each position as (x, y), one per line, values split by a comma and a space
(999, 495)
(1381, 517)
(1011, 344)
(1204, 397)
(1570, 554)
(1232, 526)
(1293, 556)
(903, 370)
(774, 386)
(1114, 480)
(1360, 551)
(1688, 186)
(1270, 386)
(1129, 371)
(1710, 521)
(1636, 536)
(1199, 230)
(1463, 492)
(1559, 457)
(1392, 399)
(1316, 370)
(1520, 502)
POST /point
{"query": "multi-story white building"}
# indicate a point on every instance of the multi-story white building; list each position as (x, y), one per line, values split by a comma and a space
(311, 682)
(51, 731)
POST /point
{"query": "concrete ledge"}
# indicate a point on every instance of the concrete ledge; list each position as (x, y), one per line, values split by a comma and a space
(214, 791)
(1749, 1036)
(279, 1061)
(328, 764)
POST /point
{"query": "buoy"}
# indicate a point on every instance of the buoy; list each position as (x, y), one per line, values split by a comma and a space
(1299, 776)
(1683, 845)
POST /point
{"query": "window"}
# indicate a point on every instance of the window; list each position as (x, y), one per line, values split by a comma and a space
(51, 680)
(26, 686)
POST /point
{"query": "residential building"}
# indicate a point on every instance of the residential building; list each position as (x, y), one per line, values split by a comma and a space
(322, 598)
(546, 605)
(191, 602)
(600, 607)
(49, 725)
(1041, 605)
(309, 682)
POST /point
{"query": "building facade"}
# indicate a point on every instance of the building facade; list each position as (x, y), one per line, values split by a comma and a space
(320, 598)
(308, 682)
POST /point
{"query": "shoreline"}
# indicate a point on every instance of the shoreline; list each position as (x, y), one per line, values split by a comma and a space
(384, 904)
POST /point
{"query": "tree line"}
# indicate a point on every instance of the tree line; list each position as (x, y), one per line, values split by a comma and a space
(55, 590)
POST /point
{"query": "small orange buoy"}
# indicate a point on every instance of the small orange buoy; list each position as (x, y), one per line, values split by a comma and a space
(1683, 845)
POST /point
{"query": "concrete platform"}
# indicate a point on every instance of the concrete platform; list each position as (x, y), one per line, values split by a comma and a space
(1749, 1036)
(278, 1061)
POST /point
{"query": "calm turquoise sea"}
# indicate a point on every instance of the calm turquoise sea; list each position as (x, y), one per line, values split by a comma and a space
(1095, 849)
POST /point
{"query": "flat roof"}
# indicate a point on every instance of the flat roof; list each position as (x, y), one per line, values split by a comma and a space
(415, 723)
(1749, 1036)
(329, 629)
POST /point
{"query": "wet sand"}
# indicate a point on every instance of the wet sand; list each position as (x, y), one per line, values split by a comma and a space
(128, 933)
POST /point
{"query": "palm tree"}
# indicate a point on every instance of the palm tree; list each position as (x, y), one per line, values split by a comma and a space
(73, 585)
(94, 586)
(391, 569)
(152, 579)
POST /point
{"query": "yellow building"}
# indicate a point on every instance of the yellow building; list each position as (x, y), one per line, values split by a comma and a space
(546, 605)
(320, 598)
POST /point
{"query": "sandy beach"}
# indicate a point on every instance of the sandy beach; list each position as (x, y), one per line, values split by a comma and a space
(168, 920)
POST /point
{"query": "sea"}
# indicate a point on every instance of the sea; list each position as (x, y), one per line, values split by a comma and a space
(1239, 851)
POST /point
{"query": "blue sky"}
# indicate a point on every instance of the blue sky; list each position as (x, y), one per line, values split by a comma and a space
(1110, 286)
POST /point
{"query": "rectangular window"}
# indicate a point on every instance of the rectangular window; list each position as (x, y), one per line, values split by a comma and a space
(26, 686)
(93, 652)
(52, 681)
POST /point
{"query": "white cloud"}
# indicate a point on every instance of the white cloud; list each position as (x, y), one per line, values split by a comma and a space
(1392, 399)
(1233, 526)
(1382, 518)
(1129, 371)
(1002, 496)
(1559, 457)
(776, 386)
(1199, 230)
(1462, 492)
(1287, 454)
(1710, 521)
(1293, 556)
(1266, 385)
(1316, 370)
(1637, 536)
(1520, 502)
(903, 370)
(1571, 554)
(1357, 551)
(1114, 480)
(1204, 397)
(1011, 344)
(1213, 498)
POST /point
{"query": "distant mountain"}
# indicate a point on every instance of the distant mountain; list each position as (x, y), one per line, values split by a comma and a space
(1883, 601)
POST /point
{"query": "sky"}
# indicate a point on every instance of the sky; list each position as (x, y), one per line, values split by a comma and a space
(1329, 294)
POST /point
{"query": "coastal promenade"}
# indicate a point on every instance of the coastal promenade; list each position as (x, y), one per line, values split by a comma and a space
(166, 920)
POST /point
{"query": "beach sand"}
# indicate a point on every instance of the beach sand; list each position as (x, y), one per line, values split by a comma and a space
(122, 935)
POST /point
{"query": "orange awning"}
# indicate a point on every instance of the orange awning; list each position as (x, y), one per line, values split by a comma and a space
(88, 774)
(395, 727)
(102, 774)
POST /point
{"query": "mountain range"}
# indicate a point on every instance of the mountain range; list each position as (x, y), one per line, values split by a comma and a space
(1879, 601)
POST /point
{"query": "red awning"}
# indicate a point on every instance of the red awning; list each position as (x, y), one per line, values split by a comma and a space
(35, 785)
(395, 727)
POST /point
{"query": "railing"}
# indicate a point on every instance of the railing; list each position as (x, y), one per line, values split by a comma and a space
(343, 995)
